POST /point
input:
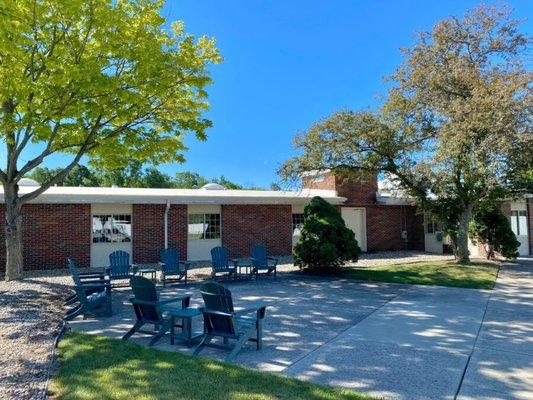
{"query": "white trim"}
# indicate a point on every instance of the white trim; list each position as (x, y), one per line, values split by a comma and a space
(106, 195)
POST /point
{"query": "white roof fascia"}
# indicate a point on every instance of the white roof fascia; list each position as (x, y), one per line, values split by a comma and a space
(107, 195)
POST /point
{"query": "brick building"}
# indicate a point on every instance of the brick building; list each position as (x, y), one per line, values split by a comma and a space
(87, 224)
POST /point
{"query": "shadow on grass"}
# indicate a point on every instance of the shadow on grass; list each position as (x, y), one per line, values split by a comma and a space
(97, 367)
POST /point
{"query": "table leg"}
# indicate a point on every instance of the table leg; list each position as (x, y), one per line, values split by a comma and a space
(172, 329)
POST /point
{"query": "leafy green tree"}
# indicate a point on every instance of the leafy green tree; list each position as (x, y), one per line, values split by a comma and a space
(325, 242)
(80, 175)
(153, 178)
(227, 183)
(100, 79)
(492, 229)
(454, 128)
(189, 180)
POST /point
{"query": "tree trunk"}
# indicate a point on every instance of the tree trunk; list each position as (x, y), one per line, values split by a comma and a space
(13, 233)
(463, 254)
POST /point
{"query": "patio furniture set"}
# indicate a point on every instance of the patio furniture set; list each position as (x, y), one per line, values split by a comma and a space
(220, 319)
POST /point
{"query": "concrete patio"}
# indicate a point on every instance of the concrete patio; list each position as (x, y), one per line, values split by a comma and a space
(388, 340)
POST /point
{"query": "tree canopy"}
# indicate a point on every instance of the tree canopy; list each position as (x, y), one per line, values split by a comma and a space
(454, 129)
(102, 79)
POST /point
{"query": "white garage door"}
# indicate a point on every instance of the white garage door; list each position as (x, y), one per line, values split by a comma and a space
(355, 219)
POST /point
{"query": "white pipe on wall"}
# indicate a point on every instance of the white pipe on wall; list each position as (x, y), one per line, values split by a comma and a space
(167, 208)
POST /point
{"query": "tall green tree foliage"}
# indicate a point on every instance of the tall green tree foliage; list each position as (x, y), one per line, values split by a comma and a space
(325, 242)
(491, 228)
(454, 129)
(98, 78)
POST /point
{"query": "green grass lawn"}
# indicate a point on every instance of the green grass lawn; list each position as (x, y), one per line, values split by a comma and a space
(477, 275)
(95, 367)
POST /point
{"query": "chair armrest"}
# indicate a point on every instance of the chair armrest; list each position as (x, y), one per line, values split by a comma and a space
(95, 286)
(213, 312)
(161, 263)
(84, 275)
(185, 301)
(95, 281)
(235, 262)
(186, 264)
(252, 308)
(274, 259)
(134, 268)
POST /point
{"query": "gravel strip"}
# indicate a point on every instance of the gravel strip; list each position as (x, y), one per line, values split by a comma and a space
(31, 315)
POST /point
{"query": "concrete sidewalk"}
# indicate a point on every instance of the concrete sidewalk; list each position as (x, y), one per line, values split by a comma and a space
(388, 340)
(501, 366)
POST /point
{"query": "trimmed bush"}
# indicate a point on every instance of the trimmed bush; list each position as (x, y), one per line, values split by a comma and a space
(491, 227)
(325, 242)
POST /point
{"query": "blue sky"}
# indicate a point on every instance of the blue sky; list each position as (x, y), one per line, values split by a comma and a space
(288, 64)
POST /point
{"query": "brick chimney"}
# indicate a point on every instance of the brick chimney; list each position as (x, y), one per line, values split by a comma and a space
(358, 192)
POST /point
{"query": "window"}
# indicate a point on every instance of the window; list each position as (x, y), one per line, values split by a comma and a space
(114, 228)
(297, 223)
(519, 222)
(203, 226)
(432, 226)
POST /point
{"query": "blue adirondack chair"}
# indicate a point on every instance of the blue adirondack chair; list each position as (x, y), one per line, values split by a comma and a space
(120, 266)
(221, 263)
(83, 276)
(93, 296)
(172, 266)
(222, 321)
(261, 261)
(148, 309)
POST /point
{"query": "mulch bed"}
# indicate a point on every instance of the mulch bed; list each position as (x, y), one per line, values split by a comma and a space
(31, 316)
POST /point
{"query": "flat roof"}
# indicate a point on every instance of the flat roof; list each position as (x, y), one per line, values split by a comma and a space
(114, 195)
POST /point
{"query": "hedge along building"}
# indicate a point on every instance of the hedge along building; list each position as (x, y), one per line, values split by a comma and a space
(87, 223)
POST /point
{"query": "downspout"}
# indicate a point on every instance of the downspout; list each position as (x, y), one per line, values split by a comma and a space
(167, 208)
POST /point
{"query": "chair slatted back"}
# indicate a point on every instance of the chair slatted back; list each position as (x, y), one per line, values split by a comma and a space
(220, 257)
(259, 256)
(119, 261)
(80, 293)
(144, 289)
(218, 298)
(170, 258)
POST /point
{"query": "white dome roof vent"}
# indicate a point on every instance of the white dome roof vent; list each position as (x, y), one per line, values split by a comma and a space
(213, 186)
(28, 182)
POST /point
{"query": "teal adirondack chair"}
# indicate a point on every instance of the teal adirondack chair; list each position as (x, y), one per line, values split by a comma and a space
(261, 261)
(147, 307)
(222, 321)
(119, 266)
(85, 276)
(172, 266)
(93, 296)
(221, 263)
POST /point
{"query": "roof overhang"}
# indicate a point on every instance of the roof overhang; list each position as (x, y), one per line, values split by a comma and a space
(106, 195)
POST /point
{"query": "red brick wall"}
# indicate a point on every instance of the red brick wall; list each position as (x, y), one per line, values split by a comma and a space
(148, 227)
(357, 192)
(177, 228)
(384, 224)
(328, 183)
(245, 225)
(147, 231)
(51, 233)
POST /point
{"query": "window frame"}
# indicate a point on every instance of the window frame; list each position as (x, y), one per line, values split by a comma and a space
(207, 224)
(112, 218)
(300, 215)
(516, 216)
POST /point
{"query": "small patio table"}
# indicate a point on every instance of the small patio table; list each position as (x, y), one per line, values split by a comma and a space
(244, 271)
(147, 269)
(186, 315)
